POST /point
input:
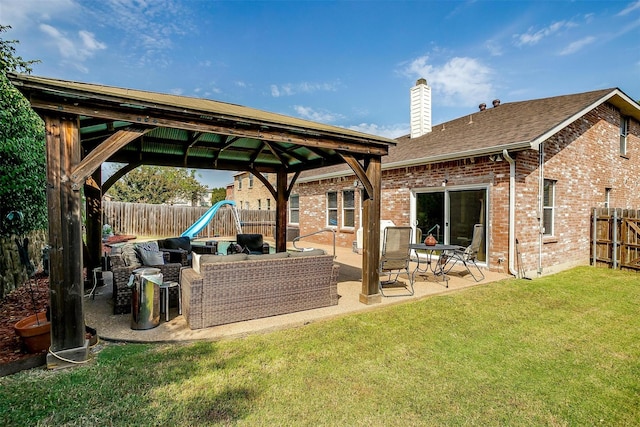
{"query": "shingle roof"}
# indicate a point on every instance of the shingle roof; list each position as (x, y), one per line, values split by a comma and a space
(512, 125)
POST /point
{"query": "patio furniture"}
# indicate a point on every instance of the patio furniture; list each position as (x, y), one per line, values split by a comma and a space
(433, 259)
(395, 258)
(223, 289)
(164, 298)
(179, 249)
(123, 262)
(467, 256)
(252, 243)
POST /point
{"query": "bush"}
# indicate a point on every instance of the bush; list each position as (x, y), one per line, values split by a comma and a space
(22, 162)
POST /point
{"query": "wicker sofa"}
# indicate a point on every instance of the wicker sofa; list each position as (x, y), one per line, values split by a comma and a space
(122, 267)
(225, 289)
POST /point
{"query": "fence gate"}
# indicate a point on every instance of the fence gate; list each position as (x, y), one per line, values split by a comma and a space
(616, 238)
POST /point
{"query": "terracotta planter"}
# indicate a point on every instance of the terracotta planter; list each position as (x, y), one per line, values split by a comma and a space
(35, 337)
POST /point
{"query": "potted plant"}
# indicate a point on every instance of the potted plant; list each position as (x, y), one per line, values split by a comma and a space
(34, 330)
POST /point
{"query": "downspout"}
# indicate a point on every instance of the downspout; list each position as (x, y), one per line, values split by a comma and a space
(540, 206)
(512, 211)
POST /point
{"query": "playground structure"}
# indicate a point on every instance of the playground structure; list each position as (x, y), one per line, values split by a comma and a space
(202, 222)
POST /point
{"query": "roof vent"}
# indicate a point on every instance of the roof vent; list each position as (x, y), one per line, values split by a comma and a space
(482, 106)
(496, 102)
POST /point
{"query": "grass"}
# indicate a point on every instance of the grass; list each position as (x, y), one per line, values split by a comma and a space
(560, 350)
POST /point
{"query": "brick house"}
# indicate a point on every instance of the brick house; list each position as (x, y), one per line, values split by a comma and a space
(530, 171)
(250, 193)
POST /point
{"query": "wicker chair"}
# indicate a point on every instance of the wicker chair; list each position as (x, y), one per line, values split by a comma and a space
(122, 272)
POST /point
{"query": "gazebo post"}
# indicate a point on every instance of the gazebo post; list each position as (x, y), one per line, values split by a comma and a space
(93, 196)
(65, 239)
(281, 210)
(371, 234)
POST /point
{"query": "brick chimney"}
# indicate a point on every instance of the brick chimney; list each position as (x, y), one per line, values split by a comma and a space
(420, 108)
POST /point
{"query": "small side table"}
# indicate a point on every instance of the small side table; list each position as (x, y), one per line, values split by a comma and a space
(164, 298)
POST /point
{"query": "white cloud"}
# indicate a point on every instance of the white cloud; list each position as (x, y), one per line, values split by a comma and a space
(20, 13)
(289, 89)
(577, 45)
(460, 81)
(630, 8)
(532, 37)
(80, 48)
(316, 115)
(393, 131)
(493, 47)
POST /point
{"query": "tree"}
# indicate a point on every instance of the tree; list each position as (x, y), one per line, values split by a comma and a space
(22, 150)
(217, 195)
(157, 185)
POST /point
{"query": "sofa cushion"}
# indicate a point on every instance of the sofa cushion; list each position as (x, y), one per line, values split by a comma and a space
(312, 252)
(177, 243)
(130, 256)
(210, 259)
(276, 255)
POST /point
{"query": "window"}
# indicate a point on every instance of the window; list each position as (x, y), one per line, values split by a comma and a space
(348, 209)
(607, 197)
(259, 204)
(332, 209)
(246, 205)
(548, 206)
(268, 204)
(250, 180)
(624, 131)
(294, 209)
(239, 183)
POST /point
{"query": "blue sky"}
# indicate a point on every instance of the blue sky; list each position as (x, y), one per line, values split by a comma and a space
(347, 63)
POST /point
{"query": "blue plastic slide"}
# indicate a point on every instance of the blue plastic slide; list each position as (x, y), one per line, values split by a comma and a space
(201, 223)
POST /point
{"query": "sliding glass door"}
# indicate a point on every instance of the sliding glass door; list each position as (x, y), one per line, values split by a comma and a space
(450, 215)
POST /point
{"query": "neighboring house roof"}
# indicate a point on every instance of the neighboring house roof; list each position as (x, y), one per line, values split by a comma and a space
(513, 126)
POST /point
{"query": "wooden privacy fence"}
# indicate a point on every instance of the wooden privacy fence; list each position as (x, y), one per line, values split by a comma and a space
(141, 219)
(616, 238)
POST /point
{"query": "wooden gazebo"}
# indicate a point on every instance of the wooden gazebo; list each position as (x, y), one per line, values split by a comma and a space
(88, 124)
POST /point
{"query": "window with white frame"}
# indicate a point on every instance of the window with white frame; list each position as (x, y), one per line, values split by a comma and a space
(294, 209)
(250, 180)
(239, 183)
(332, 209)
(607, 197)
(624, 132)
(548, 202)
(348, 208)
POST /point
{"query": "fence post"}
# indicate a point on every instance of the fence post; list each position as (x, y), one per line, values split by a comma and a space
(594, 236)
(615, 239)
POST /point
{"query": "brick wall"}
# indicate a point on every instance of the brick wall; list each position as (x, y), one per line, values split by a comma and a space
(583, 158)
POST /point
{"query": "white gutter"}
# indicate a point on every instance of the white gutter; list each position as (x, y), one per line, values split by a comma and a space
(512, 211)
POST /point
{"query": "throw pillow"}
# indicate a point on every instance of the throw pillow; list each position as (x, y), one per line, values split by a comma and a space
(148, 246)
(150, 257)
(130, 256)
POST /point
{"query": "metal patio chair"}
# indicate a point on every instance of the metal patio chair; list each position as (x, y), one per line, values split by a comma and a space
(467, 256)
(395, 259)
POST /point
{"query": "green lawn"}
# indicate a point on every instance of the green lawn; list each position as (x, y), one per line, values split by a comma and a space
(560, 350)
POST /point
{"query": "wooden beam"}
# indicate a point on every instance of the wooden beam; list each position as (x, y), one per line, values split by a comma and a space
(274, 134)
(119, 174)
(360, 173)
(93, 224)
(65, 240)
(265, 182)
(105, 150)
(371, 235)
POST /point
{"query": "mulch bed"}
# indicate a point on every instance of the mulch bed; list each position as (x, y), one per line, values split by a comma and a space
(16, 306)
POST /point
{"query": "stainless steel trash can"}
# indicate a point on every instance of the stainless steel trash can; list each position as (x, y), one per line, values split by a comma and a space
(145, 299)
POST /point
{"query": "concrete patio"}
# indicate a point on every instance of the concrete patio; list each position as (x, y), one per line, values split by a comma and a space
(110, 327)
